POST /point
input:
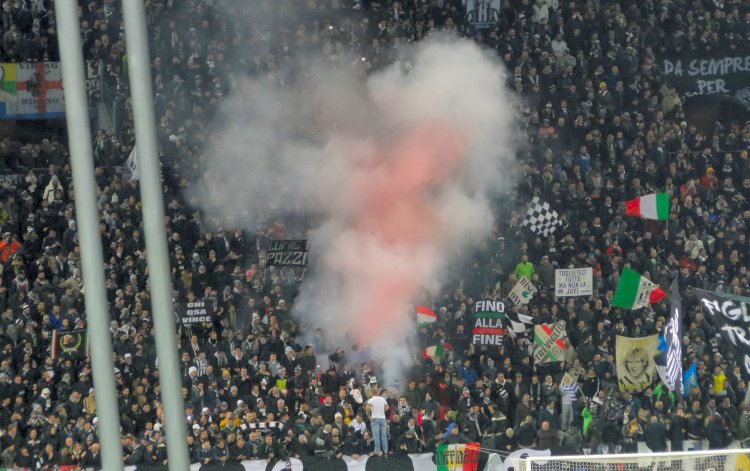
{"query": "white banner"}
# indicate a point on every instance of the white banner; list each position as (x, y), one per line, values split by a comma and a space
(131, 167)
(31, 90)
(522, 292)
(574, 282)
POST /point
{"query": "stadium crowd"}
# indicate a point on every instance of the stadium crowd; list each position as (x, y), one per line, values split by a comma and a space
(603, 126)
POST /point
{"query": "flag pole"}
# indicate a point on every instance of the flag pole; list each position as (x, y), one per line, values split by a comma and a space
(156, 241)
(92, 263)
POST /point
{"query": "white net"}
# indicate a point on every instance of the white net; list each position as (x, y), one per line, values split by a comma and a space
(713, 460)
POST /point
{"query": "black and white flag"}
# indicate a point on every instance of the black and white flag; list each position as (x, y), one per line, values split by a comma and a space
(669, 360)
(731, 317)
(131, 167)
(540, 218)
(518, 324)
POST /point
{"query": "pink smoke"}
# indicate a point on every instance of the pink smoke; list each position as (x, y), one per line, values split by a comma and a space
(390, 250)
(397, 181)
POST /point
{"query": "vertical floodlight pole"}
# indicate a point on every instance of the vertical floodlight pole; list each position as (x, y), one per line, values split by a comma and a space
(156, 242)
(92, 264)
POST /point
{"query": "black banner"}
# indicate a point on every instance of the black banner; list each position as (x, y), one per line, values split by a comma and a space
(721, 73)
(195, 312)
(287, 253)
(69, 343)
(669, 362)
(489, 324)
(730, 315)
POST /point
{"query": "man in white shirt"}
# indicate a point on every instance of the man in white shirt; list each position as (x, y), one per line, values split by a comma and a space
(376, 408)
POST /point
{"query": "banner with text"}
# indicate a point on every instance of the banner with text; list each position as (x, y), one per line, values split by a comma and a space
(716, 73)
(731, 316)
(522, 292)
(635, 362)
(287, 253)
(549, 346)
(489, 326)
(195, 312)
(31, 90)
(462, 456)
(574, 282)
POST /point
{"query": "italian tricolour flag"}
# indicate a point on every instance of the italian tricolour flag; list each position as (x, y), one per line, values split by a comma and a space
(436, 351)
(653, 206)
(459, 457)
(634, 291)
(425, 316)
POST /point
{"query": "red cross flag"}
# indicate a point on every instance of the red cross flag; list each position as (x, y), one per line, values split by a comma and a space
(31, 90)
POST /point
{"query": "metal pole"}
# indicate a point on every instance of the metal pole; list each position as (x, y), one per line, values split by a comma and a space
(92, 264)
(156, 241)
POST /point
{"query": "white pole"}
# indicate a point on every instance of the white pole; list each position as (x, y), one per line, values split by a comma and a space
(92, 264)
(156, 241)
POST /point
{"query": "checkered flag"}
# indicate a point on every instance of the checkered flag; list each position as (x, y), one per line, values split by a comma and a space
(541, 219)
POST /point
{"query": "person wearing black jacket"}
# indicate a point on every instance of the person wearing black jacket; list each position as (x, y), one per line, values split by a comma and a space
(427, 427)
(137, 456)
(506, 442)
(677, 429)
(526, 433)
(354, 445)
(221, 452)
(322, 444)
(270, 450)
(299, 448)
(475, 423)
(655, 435)
(719, 438)
(408, 443)
(695, 422)
(717, 433)
(239, 451)
(454, 436)
(91, 457)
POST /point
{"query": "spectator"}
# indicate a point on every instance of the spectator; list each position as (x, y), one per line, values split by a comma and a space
(524, 268)
(603, 124)
(376, 409)
(547, 437)
(8, 246)
(655, 435)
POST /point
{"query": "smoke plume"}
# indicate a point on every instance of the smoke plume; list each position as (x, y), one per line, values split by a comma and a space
(395, 170)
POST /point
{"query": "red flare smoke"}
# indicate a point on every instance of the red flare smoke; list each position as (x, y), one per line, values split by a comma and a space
(395, 227)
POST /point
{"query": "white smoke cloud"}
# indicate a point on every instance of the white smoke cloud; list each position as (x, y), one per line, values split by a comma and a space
(396, 169)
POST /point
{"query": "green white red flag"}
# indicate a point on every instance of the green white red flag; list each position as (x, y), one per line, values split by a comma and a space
(425, 316)
(635, 291)
(459, 457)
(436, 351)
(653, 206)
